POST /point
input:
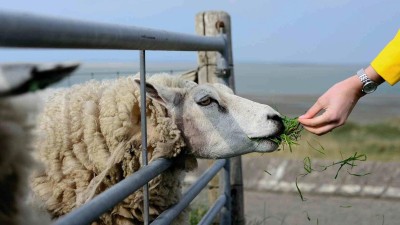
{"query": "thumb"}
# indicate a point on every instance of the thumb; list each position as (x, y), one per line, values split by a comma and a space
(314, 110)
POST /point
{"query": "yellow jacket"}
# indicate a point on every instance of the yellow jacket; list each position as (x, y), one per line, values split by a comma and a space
(387, 63)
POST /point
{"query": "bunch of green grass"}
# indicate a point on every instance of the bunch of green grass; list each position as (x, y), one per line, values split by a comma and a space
(291, 134)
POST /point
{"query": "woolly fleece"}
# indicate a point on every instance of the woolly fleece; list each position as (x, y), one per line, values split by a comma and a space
(89, 139)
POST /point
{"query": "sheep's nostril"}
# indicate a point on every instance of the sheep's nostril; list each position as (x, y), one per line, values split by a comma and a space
(274, 117)
(278, 121)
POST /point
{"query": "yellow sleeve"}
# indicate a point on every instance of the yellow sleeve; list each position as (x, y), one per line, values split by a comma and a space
(387, 63)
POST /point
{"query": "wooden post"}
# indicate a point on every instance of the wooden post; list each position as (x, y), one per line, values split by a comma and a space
(211, 23)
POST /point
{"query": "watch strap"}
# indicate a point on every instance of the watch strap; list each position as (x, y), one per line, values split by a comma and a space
(369, 85)
(363, 76)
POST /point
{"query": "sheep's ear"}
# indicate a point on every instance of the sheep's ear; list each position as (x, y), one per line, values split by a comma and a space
(162, 95)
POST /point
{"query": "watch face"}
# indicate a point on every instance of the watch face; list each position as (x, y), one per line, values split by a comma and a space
(370, 87)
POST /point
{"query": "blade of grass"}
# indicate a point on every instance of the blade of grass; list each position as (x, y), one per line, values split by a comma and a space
(314, 148)
(299, 191)
(307, 164)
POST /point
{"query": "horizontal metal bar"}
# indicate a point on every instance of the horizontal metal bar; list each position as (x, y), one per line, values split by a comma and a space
(208, 218)
(93, 209)
(28, 30)
(170, 214)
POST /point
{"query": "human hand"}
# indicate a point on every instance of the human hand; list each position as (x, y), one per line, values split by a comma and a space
(335, 104)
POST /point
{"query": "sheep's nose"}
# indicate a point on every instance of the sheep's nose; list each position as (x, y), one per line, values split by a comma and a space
(277, 120)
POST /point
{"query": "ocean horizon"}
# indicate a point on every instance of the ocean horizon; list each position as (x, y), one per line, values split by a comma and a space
(258, 79)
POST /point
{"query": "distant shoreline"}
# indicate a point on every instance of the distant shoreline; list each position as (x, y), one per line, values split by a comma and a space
(290, 88)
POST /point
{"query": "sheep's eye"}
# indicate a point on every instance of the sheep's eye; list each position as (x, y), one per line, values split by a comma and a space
(205, 101)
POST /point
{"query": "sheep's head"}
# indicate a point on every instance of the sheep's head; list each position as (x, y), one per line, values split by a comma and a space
(215, 122)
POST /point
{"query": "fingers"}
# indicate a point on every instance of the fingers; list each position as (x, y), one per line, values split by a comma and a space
(309, 119)
(337, 104)
(321, 130)
(321, 124)
(314, 110)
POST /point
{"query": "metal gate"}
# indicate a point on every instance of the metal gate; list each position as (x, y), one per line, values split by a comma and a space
(32, 31)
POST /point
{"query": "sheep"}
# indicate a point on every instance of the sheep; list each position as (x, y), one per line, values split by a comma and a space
(89, 139)
(18, 109)
(16, 162)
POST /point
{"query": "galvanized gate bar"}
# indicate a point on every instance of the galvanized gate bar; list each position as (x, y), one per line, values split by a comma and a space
(208, 218)
(143, 127)
(34, 31)
(29, 30)
(170, 214)
(93, 209)
(226, 216)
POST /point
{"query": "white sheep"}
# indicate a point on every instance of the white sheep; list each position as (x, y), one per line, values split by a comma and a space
(18, 109)
(90, 138)
(16, 163)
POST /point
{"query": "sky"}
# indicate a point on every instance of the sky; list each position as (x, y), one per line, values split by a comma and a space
(271, 31)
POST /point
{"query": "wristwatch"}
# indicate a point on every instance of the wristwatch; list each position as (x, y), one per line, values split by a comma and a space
(369, 85)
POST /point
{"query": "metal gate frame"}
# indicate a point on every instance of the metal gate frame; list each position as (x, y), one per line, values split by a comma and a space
(33, 31)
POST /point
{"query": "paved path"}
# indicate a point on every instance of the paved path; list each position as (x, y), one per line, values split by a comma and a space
(382, 182)
(273, 199)
(288, 209)
(279, 175)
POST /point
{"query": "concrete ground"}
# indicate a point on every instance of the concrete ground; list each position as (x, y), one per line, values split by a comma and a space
(280, 208)
(272, 208)
(273, 199)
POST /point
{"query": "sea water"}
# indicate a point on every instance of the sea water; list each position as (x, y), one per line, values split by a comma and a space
(250, 78)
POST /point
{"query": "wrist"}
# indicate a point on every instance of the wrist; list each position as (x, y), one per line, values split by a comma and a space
(355, 85)
(373, 75)
(370, 79)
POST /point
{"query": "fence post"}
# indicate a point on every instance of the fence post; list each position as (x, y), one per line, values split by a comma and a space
(211, 23)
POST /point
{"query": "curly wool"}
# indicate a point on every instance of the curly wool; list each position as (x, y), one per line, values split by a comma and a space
(89, 139)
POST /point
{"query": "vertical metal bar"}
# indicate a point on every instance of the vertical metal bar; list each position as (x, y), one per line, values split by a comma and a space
(144, 133)
(226, 218)
(225, 67)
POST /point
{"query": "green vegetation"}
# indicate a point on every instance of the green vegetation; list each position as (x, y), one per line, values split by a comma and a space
(380, 142)
(197, 214)
(291, 134)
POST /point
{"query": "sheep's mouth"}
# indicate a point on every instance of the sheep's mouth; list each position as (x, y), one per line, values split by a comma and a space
(268, 143)
(275, 139)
